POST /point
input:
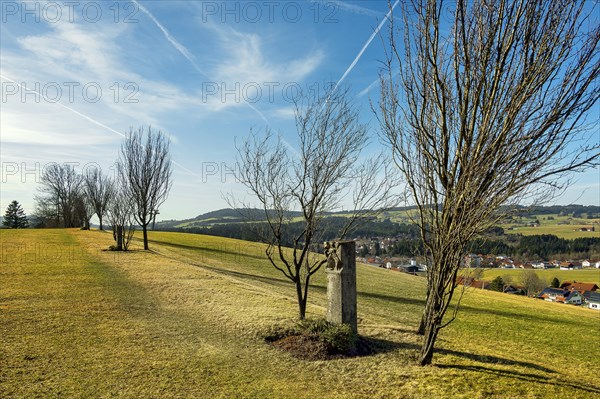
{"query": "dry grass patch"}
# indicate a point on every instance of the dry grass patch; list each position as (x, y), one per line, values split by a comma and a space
(189, 321)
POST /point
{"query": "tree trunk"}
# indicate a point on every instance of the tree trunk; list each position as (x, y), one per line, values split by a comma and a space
(425, 315)
(119, 237)
(100, 219)
(427, 309)
(431, 332)
(433, 324)
(301, 300)
(145, 228)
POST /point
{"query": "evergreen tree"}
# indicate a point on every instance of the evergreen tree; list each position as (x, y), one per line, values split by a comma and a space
(497, 284)
(15, 217)
(555, 283)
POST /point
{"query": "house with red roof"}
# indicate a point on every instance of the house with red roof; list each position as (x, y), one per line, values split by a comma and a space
(561, 295)
(579, 287)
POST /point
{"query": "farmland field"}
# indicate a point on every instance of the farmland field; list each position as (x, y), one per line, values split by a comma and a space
(560, 226)
(590, 275)
(187, 318)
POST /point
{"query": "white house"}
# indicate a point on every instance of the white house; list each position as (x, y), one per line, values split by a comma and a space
(574, 298)
(570, 265)
(594, 301)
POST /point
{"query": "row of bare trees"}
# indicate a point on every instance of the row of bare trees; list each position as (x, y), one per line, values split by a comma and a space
(483, 105)
(140, 186)
(70, 199)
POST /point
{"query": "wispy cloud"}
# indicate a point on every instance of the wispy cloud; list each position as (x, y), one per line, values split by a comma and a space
(285, 113)
(46, 99)
(353, 8)
(244, 59)
(187, 54)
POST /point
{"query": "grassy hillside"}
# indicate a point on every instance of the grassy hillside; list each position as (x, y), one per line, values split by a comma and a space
(561, 226)
(584, 275)
(187, 319)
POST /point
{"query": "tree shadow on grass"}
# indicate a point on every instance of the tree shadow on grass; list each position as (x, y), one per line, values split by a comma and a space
(466, 308)
(276, 281)
(493, 360)
(527, 377)
(238, 251)
(248, 276)
(370, 346)
(396, 299)
(378, 345)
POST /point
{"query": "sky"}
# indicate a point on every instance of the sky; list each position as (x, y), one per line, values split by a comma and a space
(76, 76)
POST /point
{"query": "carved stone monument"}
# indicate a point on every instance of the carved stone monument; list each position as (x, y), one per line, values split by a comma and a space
(341, 283)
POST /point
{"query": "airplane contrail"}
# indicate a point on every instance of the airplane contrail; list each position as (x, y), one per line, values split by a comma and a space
(360, 53)
(89, 118)
(64, 106)
(186, 53)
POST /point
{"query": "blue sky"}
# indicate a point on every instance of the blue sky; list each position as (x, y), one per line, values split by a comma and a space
(205, 72)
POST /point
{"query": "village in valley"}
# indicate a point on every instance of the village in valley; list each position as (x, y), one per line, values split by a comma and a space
(566, 292)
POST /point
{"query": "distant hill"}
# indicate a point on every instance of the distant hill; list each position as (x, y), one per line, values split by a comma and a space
(397, 215)
(221, 216)
(232, 216)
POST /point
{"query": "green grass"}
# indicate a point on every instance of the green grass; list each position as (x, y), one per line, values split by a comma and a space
(591, 275)
(561, 226)
(186, 321)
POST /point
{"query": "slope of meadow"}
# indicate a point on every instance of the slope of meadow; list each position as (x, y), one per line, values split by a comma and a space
(588, 275)
(187, 319)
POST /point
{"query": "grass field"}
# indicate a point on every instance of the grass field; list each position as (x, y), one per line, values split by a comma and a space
(583, 275)
(560, 226)
(187, 320)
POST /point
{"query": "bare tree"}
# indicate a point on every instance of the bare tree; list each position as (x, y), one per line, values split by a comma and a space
(508, 280)
(83, 208)
(532, 282)
(59, 193)
(145, 167)
(119, 211)
(98, 189)
(485, 109)
(313, 180)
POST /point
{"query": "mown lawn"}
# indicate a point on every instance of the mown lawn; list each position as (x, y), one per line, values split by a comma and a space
(186, 320)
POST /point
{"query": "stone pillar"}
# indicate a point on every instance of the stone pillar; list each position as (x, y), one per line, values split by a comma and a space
(341, 283)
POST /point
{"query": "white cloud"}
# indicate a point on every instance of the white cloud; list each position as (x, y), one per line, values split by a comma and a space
(69, 57)
(353, 8)
(244, 59)
(285, 113)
